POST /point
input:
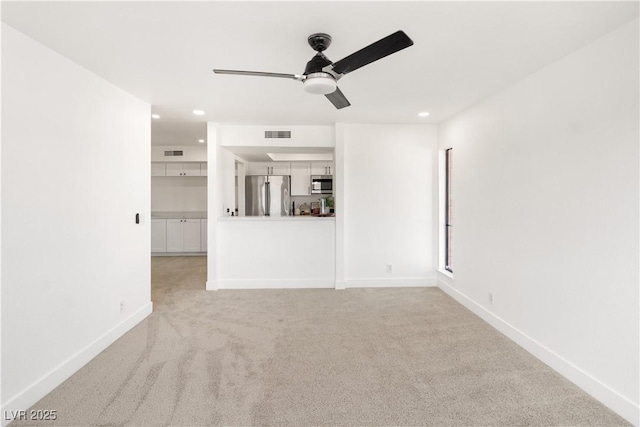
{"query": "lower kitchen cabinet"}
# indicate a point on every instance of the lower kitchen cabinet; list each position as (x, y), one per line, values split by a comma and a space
(203, 235)
(183, 235)
(158, 235)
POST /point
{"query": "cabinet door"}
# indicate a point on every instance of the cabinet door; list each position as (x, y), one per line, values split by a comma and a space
(203, 235)
(259, 168)
(183, 169)
(300, 179)
(174, 235)
(203, 169)
(191, 235)
(280, 168)
(269, 168)
(322, 168)
(191, 169)
(174, 169)
(330, 168)
(158, 169)
(158, 235)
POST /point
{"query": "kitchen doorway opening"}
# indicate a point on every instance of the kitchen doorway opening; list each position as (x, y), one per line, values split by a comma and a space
(179, 217)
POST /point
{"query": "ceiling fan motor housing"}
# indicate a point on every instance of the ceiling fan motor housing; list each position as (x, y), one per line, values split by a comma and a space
(317, 63)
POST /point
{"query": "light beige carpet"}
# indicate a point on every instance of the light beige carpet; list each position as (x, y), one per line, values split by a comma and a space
(313, 357)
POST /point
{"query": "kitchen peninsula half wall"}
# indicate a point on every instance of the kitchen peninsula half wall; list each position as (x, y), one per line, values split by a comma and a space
(276, 252)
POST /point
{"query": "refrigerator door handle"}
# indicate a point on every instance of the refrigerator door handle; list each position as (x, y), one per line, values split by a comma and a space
(287, 202)
(267, 198)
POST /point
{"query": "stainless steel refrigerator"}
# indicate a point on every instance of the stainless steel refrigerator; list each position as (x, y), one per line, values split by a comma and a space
(267, 195)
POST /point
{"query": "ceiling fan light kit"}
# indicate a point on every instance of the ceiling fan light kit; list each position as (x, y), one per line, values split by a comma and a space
(320, 83)
(321, 76)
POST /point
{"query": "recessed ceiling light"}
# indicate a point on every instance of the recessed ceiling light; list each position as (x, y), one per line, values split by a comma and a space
(201, 141)
(423, 114)
(198, 112)
(155, 116)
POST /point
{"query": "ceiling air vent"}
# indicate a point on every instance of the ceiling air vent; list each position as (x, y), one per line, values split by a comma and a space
(173, 153)
(277, 134)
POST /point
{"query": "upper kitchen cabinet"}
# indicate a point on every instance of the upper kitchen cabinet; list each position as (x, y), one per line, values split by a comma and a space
(322, 168)
(300, 179)
(269, 168)
(183, 169)
(158, 169)
(281, 168)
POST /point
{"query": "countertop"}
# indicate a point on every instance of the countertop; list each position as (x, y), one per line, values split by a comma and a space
(203, 215)
(179, 214)
(277, 218)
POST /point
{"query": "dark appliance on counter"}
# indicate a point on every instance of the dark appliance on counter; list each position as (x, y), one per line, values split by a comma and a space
(267, 195)
(321, 184)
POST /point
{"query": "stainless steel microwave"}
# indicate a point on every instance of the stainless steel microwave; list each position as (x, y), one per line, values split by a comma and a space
(321, 184)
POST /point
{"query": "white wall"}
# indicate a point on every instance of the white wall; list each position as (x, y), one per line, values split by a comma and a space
(185, 193)
(545, 199)
(386, 195)
(225, 174)
(1, 317)
(214, 203)
(75, 171)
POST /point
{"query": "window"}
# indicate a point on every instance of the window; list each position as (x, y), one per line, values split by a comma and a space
(448, 215)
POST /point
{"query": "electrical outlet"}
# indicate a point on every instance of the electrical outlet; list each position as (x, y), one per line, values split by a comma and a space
(389, 268)
(121, 306)
(491, 298)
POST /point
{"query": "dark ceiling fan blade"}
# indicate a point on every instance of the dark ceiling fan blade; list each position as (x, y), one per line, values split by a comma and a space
(378, 50)
(338, 99)
(258, 73)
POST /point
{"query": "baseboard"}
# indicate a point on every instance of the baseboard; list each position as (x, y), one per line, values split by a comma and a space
(276, 284)
(605, 394)
(321, 283)
(400, 282)
(62, 372)
(178, 254)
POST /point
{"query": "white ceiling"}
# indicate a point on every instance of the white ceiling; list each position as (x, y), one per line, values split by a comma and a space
(163, 53)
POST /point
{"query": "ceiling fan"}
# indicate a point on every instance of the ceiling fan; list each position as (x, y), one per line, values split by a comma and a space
(321, 75)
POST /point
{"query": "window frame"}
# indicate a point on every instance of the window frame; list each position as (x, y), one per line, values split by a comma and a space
(448, 220)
